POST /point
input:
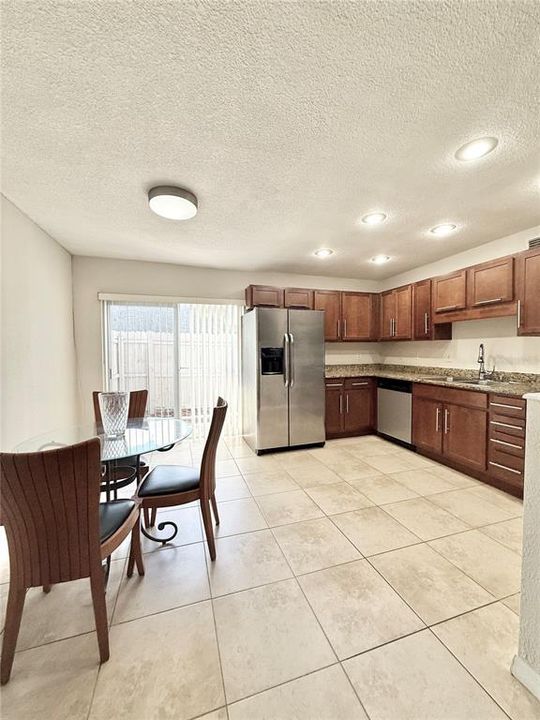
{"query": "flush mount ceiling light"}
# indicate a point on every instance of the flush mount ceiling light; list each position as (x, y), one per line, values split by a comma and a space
(380, 259)
(442, 230)
(323, 252)
(173, 203)
(476, 148)
(374, 218)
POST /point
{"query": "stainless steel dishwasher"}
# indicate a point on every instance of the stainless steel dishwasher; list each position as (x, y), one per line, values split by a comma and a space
(394, 409)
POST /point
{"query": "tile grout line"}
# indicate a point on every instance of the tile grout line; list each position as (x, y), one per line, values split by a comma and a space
(469, 672)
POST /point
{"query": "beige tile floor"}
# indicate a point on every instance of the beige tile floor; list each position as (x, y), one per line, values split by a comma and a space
(357, 581)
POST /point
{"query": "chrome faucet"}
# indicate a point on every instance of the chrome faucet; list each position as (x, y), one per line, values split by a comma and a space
(482, 374)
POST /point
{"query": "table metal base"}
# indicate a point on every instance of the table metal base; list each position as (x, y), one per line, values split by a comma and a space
(161, 526)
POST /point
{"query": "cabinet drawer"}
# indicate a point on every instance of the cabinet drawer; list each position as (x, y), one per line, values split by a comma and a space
(505, 423)
(466, 398)
(515, 445)
(500, 471)
(334, 382)
(501, 457)
(358, 383)
(504, 405)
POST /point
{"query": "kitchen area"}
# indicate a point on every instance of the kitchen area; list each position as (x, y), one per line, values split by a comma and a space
(472, 420)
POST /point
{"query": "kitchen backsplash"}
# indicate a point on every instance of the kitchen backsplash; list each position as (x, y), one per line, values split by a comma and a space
(502, 346)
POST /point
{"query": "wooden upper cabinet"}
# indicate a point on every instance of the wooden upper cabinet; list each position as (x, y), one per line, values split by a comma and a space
(358, 316)
(528, 292)
(264, 296)
(298, 298)
(387, 314)
(403, 316)
(396, 314)
(422, 310)
(490, 283)
(330, 302)
(449, 292)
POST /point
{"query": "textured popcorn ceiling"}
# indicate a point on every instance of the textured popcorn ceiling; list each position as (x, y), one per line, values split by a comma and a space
(289, 120)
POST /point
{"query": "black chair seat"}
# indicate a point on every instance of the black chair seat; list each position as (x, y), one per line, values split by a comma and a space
(113, 515)
(169, 479)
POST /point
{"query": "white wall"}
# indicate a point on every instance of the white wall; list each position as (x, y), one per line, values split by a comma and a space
(38, 387)
(93, 275)
(526, 665)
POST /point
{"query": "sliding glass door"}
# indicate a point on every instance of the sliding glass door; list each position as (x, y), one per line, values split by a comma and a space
(185, 354)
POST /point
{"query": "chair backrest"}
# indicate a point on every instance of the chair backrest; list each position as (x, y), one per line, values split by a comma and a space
(50, 508)
(208, 464)
(136, 409)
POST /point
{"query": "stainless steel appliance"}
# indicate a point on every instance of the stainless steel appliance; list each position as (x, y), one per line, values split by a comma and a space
(394, 409)
(283, 378)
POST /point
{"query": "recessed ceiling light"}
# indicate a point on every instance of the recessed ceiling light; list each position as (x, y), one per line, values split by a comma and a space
(173, 203)
(380, 259)
(323, 252)
(476, 148)
(374, 218)
(441, 230)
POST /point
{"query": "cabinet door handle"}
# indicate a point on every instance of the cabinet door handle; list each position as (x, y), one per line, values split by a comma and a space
(446, 423)
(446, 307)
(341, 404)
(504, 467)
(512, 407)
(519, 313)
(508, 425)
(347, 403)
(337, 328)
(437, 419)
(390, 327)
(426, 325)
(487, 302)
(502, 442)
(344, 327)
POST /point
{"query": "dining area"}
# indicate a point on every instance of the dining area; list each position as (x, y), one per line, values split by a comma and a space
(76, 504)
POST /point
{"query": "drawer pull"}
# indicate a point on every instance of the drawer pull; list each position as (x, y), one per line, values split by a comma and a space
(514, 427)
(333, 384)
(512, 407)
(501, 442)
(360, 383)
(516, 472)
(487, 302)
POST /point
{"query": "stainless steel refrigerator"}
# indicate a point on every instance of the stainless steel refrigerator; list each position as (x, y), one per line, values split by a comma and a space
(283, 378)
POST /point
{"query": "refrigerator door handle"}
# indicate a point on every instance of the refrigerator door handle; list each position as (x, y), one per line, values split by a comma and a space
(286, 368)
(291, 360)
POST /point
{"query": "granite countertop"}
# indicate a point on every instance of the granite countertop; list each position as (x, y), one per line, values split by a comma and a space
(516, 384)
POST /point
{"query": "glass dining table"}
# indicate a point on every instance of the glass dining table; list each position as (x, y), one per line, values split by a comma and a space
(119, 455)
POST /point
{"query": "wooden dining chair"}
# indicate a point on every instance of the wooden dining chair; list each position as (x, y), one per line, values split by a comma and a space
(170, 485)
(57, 531)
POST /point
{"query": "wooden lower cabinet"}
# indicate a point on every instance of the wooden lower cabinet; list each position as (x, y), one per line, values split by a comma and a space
(334, 408)
(451, 424)
(350, 406)
(427, 415)
(465, 436)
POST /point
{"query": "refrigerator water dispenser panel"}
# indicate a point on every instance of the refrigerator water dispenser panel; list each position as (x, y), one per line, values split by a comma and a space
(272, 361)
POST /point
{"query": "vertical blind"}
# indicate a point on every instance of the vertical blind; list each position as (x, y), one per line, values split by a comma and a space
(185, 354)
